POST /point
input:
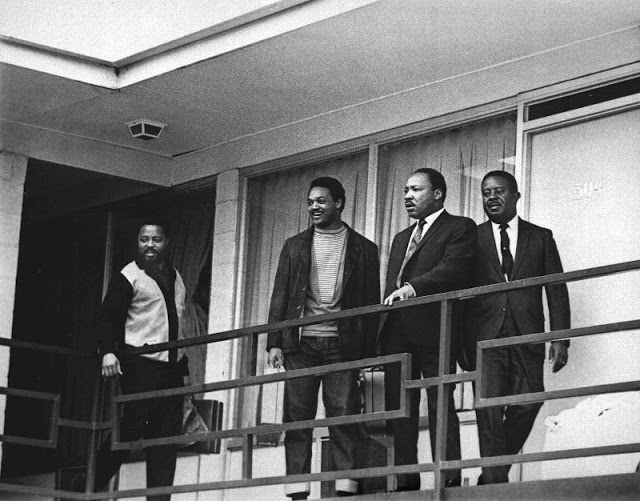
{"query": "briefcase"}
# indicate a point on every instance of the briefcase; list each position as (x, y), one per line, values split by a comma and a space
(270, 408)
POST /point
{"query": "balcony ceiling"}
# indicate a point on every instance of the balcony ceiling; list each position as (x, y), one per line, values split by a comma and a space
(216, 71)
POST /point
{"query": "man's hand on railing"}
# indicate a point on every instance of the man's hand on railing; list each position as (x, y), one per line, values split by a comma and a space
(404, 292)
(558, 355)
(110, 365)
(275, 358)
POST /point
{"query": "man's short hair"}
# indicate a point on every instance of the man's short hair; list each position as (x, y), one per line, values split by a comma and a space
(508, 177)
(153, 221)
(435, 178)
(333, 185)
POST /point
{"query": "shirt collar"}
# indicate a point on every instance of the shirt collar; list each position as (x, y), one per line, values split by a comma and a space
(513, 225)
(430, 219)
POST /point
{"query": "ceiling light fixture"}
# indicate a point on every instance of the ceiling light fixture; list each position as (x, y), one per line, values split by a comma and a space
(146, 129)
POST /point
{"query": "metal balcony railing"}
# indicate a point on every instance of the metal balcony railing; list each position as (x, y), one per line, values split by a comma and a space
(444, 379)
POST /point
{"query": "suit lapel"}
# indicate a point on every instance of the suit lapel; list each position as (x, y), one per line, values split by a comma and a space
(521, 248)
(403, 242)
(351, 255)
(396, 258)
(305, 254)
(488, 243)
(432, 230)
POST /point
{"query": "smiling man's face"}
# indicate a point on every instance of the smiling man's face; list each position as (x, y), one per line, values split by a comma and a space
(323, 209)
(152, 243)
(499, 199)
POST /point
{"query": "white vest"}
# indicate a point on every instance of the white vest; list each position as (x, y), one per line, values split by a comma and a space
(148, 321)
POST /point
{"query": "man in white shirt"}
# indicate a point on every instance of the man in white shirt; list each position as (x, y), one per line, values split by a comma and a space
(509, 248)
(434, 255)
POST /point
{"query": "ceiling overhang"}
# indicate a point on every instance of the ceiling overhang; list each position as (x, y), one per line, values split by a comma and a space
(229, 34)
(247, 82)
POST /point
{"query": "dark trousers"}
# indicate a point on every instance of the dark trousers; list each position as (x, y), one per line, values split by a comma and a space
(424, 360)
(340, 398)
(504, 430)
(151, 418)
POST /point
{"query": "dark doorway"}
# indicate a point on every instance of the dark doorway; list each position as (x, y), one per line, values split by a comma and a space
(59, 287)
(69, 217)
(58, 290)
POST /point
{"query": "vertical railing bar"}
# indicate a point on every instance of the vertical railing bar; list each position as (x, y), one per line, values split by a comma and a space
(92, 452)
(441, 413)
(391, 454)
(247, 455)
(55, 420)
(405, 406)
(480, 386)
(115, 421)
(405, 375)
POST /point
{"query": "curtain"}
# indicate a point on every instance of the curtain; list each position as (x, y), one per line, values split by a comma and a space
(463, 155)
(191, 244)
(277, 210)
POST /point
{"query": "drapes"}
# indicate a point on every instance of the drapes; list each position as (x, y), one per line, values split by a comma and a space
(277, 210)
(191, 242)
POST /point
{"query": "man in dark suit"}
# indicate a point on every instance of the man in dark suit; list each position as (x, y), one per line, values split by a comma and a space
(326, 268)
(434, 255)
(510, 248)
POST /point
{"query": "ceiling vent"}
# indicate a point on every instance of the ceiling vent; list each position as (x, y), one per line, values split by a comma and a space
(145, 129)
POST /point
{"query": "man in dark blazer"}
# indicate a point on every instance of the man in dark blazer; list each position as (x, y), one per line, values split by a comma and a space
(434, 255)
(510, 248)
(326, 268)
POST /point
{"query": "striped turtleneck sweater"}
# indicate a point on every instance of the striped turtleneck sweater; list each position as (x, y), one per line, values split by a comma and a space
(324, 294)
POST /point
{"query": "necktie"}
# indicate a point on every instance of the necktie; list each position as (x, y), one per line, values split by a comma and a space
(507, 258)
(413, 245)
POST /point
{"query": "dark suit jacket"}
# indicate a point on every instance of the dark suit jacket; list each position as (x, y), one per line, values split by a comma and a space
(441, 263)
(361, 287)
(536, 255)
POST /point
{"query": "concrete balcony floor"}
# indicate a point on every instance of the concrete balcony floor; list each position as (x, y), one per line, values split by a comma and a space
(609, 487)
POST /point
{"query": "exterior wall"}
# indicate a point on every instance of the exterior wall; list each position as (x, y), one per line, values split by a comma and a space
(134, 476)
(221, 362)
(431, 100)
(13, 170)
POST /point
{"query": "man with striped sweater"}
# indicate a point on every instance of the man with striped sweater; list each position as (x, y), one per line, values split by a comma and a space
(326, 268)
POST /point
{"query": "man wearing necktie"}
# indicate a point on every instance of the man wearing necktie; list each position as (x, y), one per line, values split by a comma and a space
(434, 255)
(509, 248)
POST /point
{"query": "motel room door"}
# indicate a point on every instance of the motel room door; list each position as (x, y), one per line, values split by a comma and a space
(585, 186)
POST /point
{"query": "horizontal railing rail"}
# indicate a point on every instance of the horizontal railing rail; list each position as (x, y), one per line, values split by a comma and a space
(403, 359)
(444, 379)
(527, 398)
(461, 294)
(52, 441)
